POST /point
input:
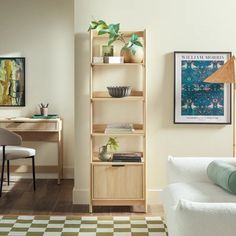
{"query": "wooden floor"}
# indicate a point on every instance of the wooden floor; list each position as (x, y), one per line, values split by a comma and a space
(53, 199)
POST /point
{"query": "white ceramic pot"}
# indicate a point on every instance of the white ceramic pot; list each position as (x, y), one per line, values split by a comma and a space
(135, 54)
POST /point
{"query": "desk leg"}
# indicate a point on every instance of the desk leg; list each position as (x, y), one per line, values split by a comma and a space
(60, 157)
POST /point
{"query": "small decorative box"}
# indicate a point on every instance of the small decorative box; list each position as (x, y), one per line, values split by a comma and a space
(114, 60)
(97, 60)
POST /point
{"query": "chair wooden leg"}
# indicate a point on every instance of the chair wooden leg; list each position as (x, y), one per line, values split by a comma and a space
(2, 173)
(33, 171)
(8, 172)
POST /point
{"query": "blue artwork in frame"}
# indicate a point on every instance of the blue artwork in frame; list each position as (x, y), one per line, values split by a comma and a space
(195, 100)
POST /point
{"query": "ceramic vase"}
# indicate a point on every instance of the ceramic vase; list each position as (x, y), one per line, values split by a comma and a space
(103, 155)
(134, 54)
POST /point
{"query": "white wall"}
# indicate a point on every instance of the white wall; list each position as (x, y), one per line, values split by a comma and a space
(43, 32)
(185, 25)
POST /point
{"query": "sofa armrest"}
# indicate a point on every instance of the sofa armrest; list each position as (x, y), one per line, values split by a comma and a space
(190, 169)
(211, 219)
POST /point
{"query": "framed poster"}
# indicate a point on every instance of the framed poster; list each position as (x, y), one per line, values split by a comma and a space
(195, 101)
(12, 81)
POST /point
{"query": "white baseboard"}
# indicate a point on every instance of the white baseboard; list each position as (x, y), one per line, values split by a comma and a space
(81, 196)
(154, 196)
(68, 173)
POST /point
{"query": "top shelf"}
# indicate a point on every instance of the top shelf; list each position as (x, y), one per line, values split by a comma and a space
(125, 34)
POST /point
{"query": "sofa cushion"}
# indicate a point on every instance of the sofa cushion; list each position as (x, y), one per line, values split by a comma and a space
(223, 174)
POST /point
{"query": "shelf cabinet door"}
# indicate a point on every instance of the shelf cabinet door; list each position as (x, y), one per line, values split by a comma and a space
(118, 182)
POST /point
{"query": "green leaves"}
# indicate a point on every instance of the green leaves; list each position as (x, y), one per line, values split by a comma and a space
(112, 40)
(103, 28)
(92, 25)
(98, 25)
(113, 33)
(113, 30)
(138, 44)
(112, 143)
(134, 40)
(134, 37)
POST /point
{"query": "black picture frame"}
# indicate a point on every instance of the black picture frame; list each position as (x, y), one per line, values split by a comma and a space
(197, 102)
(12, 81)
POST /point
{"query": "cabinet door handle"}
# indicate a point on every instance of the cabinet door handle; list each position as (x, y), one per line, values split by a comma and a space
(118, 165)
(18, 122)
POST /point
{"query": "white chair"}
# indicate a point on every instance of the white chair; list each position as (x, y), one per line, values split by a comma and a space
(10, 150)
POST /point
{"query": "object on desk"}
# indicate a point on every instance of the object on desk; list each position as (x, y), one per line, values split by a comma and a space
(43, 109)
(127, 157)
(41, 105)
(49, 116)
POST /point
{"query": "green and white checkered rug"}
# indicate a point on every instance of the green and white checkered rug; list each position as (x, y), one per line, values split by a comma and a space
(82, 226)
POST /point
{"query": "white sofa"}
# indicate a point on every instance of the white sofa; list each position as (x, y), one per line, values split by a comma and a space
(193, 205)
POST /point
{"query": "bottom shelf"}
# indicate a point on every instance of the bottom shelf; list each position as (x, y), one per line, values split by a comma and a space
(118, 202)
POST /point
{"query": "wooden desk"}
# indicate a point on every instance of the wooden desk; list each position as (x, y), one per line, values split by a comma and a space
(49, 130)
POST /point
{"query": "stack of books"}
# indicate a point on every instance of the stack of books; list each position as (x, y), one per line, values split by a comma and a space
(119, 128)
(127, 157)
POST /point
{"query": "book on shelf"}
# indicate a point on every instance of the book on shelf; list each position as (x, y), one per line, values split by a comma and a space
(118, 131)
(119, 128)
(127, 157)
(120, 125)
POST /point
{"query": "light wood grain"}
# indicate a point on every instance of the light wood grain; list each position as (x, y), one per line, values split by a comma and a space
(91, 118)
(104, 96)
(116, 182)
(30, 126)
(114, 185)
(45, 130)
(118, 202)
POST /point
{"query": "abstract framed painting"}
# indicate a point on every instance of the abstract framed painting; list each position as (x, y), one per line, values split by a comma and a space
(195, 101)
(12, 81)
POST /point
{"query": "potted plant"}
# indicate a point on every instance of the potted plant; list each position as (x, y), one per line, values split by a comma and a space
(132, 50)
(105, 151)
